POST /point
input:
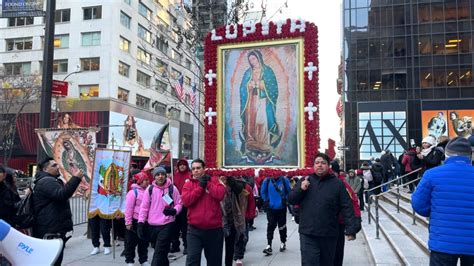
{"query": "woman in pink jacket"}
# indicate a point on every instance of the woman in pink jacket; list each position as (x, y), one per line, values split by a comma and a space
(132, 210)
(161, 202)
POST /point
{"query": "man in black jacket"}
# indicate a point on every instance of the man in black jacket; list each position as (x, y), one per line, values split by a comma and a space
(322, 196)
(53, 218)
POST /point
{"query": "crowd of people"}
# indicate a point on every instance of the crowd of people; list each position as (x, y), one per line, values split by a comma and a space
(215, 214)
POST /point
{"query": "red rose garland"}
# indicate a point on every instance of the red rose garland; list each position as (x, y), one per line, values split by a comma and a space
(310, 36)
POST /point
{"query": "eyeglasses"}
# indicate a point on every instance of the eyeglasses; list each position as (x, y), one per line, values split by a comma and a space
(196, 168)
(163, 174)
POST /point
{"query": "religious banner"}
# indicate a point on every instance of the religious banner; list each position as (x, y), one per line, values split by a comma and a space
(262, 95)
(109, 183)
(71, 148)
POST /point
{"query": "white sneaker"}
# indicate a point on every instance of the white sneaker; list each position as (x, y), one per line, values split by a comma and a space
(239, 263)
(146, 263)
(95, 251)
(131, 264)
(106, 251)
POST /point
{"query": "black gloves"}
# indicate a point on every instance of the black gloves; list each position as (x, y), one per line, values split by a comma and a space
(235, 186)
(266, 204)
(203, 181)
(169, 211)
(141, 228)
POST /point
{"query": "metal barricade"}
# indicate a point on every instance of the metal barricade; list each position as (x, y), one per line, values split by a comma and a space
(78, 210)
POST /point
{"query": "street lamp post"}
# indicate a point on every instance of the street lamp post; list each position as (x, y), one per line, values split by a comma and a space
(47, 77)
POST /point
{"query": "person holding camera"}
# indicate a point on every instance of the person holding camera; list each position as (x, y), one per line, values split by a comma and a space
(202, 195)
(274, 193)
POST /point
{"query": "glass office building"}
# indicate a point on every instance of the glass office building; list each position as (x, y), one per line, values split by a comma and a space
(407, 62)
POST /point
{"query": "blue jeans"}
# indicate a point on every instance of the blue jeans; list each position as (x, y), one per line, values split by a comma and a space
(445, 259)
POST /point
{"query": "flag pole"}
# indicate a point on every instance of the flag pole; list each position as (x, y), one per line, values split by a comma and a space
(171, 146)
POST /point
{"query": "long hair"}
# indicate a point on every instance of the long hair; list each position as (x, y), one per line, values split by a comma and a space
(257, 54)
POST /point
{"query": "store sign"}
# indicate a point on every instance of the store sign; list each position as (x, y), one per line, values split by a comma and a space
(21, 8)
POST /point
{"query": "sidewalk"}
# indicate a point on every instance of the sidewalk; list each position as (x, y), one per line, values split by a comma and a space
(356, 252)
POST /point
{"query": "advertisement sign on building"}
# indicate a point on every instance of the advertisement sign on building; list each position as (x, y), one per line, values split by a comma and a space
(21, 8)
(451, 123)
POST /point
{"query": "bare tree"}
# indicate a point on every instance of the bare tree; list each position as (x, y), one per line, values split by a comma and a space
(16, 92)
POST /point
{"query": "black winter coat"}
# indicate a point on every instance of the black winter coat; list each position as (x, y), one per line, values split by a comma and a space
(51, 204)
(320, 206)
(8, 201)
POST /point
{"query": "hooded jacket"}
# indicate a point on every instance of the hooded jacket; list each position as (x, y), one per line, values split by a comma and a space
(204, 209)
(321, 204)
(133, 203)
(179, 178)
(51, 204)
(446, 195)
(151, 209)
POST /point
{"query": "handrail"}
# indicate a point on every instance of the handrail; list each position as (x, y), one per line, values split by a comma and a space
(393, 180)
(397, 188)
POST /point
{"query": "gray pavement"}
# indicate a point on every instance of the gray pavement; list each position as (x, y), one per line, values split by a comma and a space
(356, 252)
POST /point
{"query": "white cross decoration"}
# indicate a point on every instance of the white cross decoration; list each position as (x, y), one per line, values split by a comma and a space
(209, 114)
(310, 69)
(210, 76)
(310, 109)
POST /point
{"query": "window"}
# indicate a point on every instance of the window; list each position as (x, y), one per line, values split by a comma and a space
(20, 21)
(187, 117)
(175, 113)
(160, 86)
(143, 79)
(89, 90)
(175, 74)
(175, 56)
(122, 94)
(19, 44)
(90, 38)
(144, 34)
(90, 64)
(124, 44)
(126, 2)
(143, 101)
(60, 41)
(162, 67)
(62, 15)
(187, 63)
(17, 68)
(60, 66)
(187, 80)
(162, 44)
(123, 69)
(93, 12)
(125, 20)
(160, 108)
(143, 56)
(144, 10)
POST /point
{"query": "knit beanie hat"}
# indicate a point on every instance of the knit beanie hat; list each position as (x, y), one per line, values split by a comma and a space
(159, 170)
(458, 146)
(430, 140)
(140, 177)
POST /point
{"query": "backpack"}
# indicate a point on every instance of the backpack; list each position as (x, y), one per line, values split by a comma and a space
(377, 176)
(25, 217)
(170, 192)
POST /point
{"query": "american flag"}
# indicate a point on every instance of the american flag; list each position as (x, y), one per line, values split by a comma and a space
(178, 86)
(193, 96)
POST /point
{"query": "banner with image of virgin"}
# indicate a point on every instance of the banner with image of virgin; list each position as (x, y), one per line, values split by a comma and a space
(71, 148)
(109, 183)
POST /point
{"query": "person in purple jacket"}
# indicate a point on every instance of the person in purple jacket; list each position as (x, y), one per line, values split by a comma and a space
(132, 210)
(160, 204)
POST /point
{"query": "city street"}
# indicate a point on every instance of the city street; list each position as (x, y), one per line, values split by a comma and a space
(356, 253)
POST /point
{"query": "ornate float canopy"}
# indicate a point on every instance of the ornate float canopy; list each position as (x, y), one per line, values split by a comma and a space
(261, 96)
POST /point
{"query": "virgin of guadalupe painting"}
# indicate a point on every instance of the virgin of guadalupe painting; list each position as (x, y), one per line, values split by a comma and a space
(260, 105)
